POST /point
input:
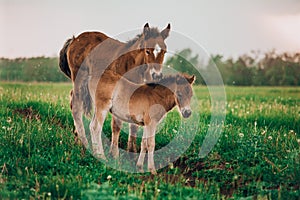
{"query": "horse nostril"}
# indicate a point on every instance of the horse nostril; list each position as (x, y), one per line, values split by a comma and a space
(153, 76)
(157, 77)
(160, 76)
(187, 113)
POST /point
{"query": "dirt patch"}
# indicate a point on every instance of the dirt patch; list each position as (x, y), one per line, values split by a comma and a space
(27, 113)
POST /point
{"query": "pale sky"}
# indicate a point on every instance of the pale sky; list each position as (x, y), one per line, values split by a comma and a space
(232, 27)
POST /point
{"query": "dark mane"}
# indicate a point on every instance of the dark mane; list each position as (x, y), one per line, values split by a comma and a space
(178, 78)
(152, 33)
(167, 80)
(132, 41)
(164, 81)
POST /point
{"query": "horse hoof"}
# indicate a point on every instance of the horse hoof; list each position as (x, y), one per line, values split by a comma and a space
(100, 156)
(131, 147)
(140, 168)
(114, 152)
(153, 171)
(81, 142)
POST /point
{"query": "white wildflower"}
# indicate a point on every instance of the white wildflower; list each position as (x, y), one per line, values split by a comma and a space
(9, 120)
(241, 135)
(109, 177)
(270, 137)
(293, 132)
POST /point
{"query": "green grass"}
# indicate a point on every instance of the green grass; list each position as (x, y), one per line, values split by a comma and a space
(257, 156)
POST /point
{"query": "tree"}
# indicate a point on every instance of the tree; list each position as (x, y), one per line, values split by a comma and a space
(184, 62)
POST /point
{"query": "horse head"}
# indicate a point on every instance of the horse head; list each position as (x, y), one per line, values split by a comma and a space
(184, 93)
(151, 49)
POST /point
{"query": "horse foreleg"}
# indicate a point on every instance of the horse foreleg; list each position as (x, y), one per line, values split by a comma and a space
(116, 125)
(151, 147)
(131, 145)
(148, 144)
(140, 162)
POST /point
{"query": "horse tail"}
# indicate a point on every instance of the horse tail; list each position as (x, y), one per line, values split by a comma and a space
(63, 60)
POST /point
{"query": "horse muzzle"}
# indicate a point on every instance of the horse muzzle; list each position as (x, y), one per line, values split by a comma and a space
(157, 76)
(186, 113)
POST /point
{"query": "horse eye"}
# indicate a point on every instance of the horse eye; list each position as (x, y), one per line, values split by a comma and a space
(148, 52)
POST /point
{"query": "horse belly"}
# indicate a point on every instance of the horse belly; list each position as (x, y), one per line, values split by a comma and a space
(120, 108)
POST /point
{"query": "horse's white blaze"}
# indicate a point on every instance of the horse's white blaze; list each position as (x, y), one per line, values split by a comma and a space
(156, 50)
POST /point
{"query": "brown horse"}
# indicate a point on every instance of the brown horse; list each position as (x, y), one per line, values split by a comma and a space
(142, 104)
(92, 53)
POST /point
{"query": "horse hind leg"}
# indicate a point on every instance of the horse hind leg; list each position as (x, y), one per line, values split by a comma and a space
(78, 96)
(77, 141)
(131, 144)
(77, 112)
(96, 130)
(116, 125)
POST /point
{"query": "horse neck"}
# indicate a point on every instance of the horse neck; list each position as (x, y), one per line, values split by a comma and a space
(166, 93)
(126, 61)
(128, 65)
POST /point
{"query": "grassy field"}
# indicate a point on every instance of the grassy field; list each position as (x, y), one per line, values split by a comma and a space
(257, 156)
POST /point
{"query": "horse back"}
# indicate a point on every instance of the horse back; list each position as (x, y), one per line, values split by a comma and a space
(80, 48)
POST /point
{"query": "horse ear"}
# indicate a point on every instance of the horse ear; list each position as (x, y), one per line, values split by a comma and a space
(191, 79)
(146, 29)
(165, 33)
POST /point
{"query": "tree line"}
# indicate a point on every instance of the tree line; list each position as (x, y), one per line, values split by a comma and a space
(39, 69)
(268, 69)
